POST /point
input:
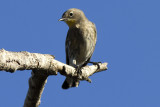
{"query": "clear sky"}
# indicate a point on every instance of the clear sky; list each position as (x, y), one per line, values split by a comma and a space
(128, 39)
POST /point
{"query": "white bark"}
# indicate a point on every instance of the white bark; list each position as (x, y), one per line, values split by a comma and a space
(42, 65)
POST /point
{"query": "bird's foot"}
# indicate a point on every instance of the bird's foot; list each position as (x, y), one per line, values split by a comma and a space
(96, 63)
(79, 72)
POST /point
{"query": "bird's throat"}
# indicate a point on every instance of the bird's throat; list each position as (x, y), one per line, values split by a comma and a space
(71, 23)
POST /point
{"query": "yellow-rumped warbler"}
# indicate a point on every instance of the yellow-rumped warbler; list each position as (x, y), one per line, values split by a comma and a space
(80, 42)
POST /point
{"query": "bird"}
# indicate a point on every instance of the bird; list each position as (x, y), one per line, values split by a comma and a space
(80, 42)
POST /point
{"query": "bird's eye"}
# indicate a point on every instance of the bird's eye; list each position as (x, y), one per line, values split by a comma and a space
(71, 14)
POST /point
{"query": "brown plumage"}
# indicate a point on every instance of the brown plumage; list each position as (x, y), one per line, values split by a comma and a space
(80, 42)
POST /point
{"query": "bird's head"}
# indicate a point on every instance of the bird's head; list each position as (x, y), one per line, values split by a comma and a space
(73, 16)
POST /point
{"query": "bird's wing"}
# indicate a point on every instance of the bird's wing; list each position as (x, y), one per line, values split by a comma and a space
(66, 50)
(72, 46)
(91, 40)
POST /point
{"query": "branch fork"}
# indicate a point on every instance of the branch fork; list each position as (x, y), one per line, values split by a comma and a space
(42, 66)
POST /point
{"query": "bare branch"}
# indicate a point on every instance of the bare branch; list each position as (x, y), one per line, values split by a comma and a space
(36, 87)
(42, 65)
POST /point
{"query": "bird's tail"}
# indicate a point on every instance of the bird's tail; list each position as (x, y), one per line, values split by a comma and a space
(70, 82)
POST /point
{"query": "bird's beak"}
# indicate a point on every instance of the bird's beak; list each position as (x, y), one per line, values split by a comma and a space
(62, 19)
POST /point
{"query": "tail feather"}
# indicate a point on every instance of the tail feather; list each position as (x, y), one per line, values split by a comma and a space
(70, 82)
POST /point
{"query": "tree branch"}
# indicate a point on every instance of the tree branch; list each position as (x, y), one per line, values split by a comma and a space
(42, 65)
(36, 87)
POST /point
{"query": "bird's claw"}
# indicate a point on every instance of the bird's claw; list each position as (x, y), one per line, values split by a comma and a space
(96, 63)
(79, 72)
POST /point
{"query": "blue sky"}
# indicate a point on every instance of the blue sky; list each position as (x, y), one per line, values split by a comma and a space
(128, 39)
